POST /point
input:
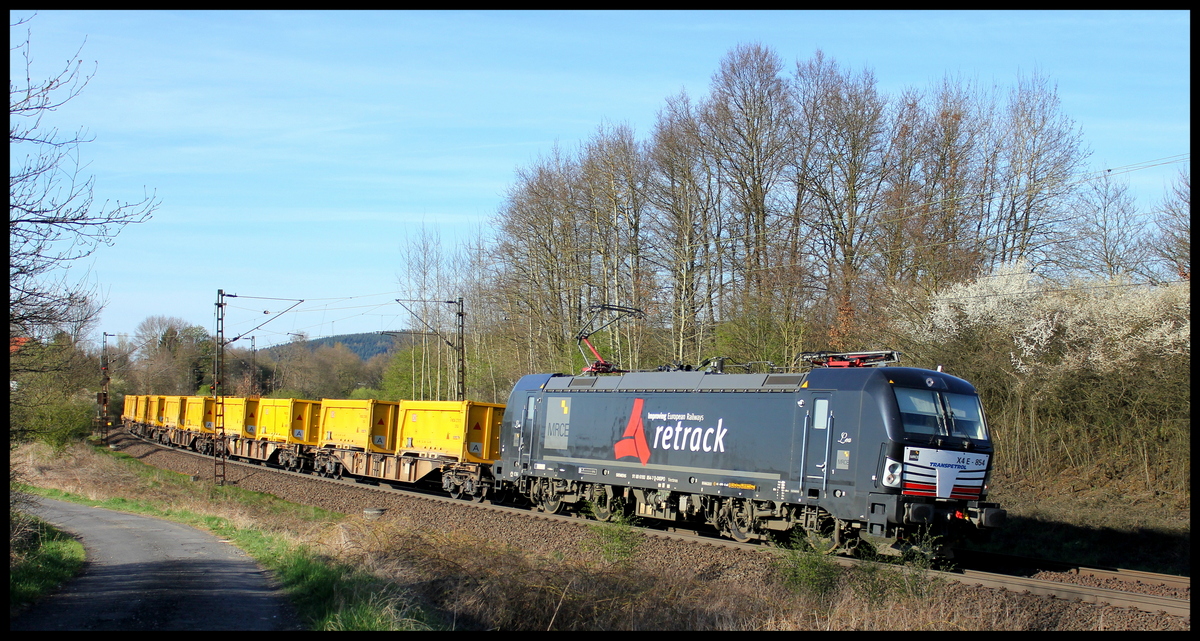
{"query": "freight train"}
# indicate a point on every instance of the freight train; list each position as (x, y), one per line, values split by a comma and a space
(409, 442)
(852, 453)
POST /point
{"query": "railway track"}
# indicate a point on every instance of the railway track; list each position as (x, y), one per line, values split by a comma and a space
(1074, 592)
(1028, 566)
(1122, 588)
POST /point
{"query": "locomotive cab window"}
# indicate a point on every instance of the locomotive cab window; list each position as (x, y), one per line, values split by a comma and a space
(966, 416)
(933, 413)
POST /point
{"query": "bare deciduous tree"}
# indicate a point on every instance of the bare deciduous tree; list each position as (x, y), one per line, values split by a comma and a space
(1106, 237)
(174, 357)
(1036, 151)
(844, 174)
(1174, 221)
(613, 176)
(54, 219)
(746, 124)
(685, 199)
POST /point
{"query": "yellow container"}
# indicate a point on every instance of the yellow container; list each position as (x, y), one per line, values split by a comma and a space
(464, 430)
(155, 412)
(143, 414)
(171, 410)
(367, 425)
(198, 414)
(129, 410)
(241, 416)
(289, 420)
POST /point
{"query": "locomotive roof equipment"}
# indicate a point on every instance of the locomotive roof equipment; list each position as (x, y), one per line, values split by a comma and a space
(601, 366)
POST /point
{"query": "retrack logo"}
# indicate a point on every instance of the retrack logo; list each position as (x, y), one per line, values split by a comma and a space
(694, 438)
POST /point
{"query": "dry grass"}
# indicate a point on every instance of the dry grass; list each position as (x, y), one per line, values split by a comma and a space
(472, 584)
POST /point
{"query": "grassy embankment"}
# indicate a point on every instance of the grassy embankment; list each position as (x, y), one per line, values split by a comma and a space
(329, 595)
(347, 573)
(1095, 518)
(40, 559)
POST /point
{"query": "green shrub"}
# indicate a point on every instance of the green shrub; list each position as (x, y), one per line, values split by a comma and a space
(806, 571)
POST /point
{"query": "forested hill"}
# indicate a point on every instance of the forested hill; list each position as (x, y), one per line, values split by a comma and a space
(363, 345)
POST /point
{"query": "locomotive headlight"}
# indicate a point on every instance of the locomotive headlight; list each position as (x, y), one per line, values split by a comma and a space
(892, 473)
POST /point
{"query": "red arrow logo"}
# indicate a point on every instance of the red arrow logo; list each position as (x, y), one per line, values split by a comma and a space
(633, 441)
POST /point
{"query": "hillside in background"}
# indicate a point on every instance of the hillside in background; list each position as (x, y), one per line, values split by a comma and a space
(365, 346)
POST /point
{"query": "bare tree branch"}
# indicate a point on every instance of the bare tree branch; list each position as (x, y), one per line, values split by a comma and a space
(53, 216)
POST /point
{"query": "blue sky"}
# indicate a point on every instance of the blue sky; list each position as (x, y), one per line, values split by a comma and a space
(293, 152)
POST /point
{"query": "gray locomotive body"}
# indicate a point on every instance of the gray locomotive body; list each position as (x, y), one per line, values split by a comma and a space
(883, 455)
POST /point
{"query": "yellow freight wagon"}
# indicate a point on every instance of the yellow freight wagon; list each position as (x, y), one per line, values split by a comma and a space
(145, 414)
(289, 420)
(241, 416)
(467, 431)
(367, 425)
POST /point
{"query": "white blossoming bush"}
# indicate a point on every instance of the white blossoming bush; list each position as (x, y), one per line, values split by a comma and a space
(1069, 371)
(1101, 325)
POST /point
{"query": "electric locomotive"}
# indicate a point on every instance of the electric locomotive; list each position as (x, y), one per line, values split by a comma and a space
(893, 457)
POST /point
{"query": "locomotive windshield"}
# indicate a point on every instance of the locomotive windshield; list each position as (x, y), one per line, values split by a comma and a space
(929, 413)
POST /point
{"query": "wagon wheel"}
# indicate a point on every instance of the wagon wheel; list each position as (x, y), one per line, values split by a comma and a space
(739, 522)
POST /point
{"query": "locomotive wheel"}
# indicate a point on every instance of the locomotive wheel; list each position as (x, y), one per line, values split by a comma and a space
(740, 524)
(551, 504)
(499, 496)
(825, 541)
(602, 506)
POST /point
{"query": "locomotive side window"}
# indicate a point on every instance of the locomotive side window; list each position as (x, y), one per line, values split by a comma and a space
(821, 413)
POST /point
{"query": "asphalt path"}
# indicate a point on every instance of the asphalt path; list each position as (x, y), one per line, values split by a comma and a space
(144, 573)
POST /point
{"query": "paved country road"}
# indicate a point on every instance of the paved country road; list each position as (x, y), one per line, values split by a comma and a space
(144, 573)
